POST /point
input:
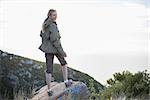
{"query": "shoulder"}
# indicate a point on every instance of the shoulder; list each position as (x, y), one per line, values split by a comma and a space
(47, 23)
(53, 26)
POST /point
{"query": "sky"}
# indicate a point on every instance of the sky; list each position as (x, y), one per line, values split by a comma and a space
(100, 37)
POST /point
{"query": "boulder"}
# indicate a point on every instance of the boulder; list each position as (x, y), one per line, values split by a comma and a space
(77, 91)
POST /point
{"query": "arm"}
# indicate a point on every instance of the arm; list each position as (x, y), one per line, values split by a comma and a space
(55, 39)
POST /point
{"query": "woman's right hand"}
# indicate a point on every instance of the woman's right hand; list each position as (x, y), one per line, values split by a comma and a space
(65, 55)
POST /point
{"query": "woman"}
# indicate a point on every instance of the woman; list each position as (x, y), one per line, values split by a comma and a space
(51, 46)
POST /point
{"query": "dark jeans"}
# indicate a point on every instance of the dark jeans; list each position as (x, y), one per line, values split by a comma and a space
(49, 61)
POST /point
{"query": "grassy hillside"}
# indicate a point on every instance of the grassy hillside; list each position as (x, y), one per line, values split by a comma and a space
(20, 75)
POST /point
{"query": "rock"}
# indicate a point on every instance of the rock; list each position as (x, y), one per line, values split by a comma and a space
(27, 61)
(77, 91)
(4, 54)
(14, 79)
(36, 66)
(10, 58)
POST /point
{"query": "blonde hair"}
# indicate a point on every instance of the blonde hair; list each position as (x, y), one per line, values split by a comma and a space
(50, 12)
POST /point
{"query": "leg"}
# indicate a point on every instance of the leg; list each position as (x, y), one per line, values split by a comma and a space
(64, 67)
(48, 79)
(49, 65)
(64, 70)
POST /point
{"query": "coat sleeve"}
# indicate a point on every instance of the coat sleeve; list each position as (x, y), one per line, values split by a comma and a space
(55, 39)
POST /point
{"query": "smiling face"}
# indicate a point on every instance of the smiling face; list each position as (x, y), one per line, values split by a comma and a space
(53, 16)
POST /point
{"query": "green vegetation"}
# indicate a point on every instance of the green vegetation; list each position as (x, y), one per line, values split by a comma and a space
(124, 85)
(94, 95)
(128, 85)
(20, 76)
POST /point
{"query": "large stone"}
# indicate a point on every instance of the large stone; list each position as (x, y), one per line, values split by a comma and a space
(77, 91)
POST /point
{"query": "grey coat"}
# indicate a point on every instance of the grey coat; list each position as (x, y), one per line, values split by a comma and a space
(51, 38)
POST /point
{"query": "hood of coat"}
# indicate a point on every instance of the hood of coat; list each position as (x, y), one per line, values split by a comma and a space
(46, 23)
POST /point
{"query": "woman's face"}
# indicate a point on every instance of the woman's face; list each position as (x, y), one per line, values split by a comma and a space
(53, 16)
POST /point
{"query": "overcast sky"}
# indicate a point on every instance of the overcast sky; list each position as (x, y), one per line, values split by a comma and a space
(87, 27)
